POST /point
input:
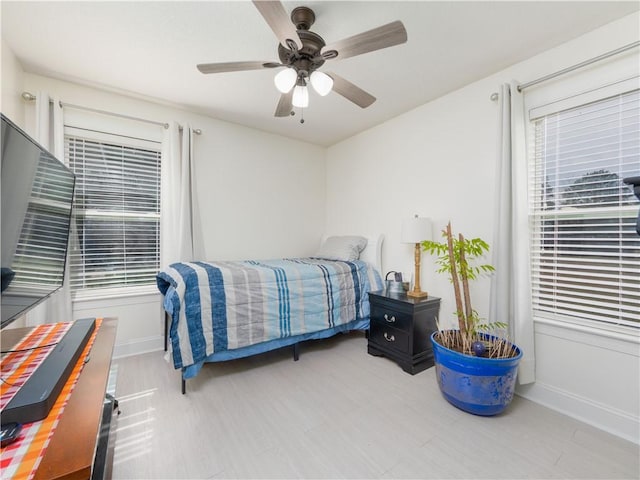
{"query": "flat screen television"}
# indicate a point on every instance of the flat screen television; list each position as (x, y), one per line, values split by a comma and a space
(37, 196)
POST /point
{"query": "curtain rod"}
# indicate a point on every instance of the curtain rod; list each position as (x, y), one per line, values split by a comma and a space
(30, 97)
(494, 96)
(578, 65)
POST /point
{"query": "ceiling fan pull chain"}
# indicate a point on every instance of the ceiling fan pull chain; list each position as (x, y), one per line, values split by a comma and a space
(302, 115)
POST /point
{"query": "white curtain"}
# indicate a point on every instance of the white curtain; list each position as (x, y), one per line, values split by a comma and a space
(179, 207)
(511, 284)
(50, 134)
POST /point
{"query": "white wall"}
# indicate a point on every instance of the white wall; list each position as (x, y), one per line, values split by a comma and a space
(439, 161)
(260, 196)
(11, 85)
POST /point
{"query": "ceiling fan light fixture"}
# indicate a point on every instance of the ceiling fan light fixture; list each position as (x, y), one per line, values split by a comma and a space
(285, 80)
(300, 96)
(302, 51)
(321, 82)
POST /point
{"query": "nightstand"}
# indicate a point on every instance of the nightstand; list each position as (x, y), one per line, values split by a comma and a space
(401, 328)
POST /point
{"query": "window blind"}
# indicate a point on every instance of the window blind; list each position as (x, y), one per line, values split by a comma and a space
(585, 250)
(116, 216)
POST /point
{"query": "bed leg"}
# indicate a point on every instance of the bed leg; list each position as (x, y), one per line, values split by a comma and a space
(296, 352)
(184, 382)
(166, 330)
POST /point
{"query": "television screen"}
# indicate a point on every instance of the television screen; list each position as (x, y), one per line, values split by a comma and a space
(37, 196)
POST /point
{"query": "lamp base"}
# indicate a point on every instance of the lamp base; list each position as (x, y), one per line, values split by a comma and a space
(417, 294)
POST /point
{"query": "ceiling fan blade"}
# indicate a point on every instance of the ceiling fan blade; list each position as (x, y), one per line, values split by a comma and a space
(276, 16)
(349, 91)
(284, 105)
(232, 66)
(385, 36)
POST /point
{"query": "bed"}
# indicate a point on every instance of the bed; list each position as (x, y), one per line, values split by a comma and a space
(219, 311)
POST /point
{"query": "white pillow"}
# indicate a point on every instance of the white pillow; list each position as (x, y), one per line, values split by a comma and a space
(346, 248)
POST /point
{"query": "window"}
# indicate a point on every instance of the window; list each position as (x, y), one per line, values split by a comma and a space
(585, 250)
(116, 214)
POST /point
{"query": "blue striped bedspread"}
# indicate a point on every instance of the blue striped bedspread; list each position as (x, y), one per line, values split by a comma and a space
(219, 306)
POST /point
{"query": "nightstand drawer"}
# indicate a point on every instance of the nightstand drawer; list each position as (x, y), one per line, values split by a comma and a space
(389, 337)
(391, 317)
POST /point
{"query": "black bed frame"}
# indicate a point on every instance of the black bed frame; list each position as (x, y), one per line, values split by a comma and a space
(167, 321)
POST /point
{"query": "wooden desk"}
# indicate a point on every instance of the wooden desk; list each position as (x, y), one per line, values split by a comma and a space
(72, 449)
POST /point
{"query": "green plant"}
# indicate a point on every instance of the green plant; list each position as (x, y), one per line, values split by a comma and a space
(457, 257)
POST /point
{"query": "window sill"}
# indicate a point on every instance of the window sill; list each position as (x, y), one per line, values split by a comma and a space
(610, 337)
(111, 293)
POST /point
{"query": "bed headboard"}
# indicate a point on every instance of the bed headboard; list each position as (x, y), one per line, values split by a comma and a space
(373, 251)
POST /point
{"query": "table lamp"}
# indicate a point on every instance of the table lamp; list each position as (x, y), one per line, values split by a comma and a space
(415, 230)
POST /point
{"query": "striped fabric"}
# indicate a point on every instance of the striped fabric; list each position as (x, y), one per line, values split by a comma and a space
(219, 306)
(20, 459)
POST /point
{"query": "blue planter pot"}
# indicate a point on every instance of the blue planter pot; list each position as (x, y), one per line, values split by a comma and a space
(478, 385)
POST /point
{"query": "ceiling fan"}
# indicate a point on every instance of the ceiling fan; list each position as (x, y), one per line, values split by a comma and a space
(302, 52)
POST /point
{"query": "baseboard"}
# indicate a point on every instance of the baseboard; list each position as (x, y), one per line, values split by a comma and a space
(138, 346)
(611, 420)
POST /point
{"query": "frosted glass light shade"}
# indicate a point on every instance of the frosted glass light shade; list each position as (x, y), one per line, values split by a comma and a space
(285, 80)
(300, 97)
(416, 229)
(321, 82)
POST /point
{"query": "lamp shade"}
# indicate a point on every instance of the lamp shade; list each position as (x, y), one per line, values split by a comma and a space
(321, 82)
(300, 96)
(416, 229)
(285, 80)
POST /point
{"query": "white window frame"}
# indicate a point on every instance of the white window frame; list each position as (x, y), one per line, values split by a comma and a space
(548, 101)
(122, 132)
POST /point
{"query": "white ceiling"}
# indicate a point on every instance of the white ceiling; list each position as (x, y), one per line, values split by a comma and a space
(152, 48)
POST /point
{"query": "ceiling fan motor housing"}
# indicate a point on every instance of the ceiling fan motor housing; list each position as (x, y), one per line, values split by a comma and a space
(308, 58)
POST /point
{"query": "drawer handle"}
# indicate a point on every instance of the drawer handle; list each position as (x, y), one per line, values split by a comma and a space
(389, 338)
(390, 320)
